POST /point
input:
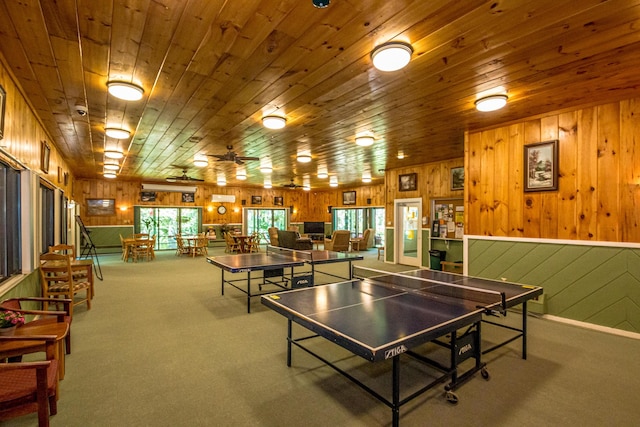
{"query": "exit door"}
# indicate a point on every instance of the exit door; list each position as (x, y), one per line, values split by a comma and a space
(408, 235)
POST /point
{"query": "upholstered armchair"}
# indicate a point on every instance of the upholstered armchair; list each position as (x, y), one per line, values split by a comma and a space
(31, 386)
(364, 242)
(339, 241)
(273, 236)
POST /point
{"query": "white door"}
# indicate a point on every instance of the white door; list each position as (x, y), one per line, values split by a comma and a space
(408, 233)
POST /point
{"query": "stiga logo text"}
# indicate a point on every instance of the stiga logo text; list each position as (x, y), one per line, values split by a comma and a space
(394, 352)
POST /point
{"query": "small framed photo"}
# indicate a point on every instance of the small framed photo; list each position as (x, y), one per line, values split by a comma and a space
(188, 197)
(59, 175)
(66, 178)
(148, 196)
(348, 197)
(408, 182)
(457, 178)
(256, 200)
(101, 206)
(541, 166)
(45, 154)
(278, 201)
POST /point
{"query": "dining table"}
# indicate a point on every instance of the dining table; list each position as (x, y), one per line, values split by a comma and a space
(191, 243)
(131, 244)
(53, 328)
(243, 241)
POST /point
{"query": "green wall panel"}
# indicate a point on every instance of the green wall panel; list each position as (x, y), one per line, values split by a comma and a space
(594, 284)
(389, 244)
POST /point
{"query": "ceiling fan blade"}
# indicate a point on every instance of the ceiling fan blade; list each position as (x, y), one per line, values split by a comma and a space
(247, 158)
(239, 161)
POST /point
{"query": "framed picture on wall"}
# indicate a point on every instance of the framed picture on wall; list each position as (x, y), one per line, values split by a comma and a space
(348, 197)
(541, 166)
(278, 201)
(256, 200)
(408, 182)
(457, 178)
(188, 197)
(101, 206)
(3, 96)
(45, 154)
(147, 196)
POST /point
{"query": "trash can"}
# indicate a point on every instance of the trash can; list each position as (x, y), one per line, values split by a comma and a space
(435, 256)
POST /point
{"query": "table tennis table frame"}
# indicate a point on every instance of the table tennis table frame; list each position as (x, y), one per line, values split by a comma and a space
(471, 324)
(279, 270)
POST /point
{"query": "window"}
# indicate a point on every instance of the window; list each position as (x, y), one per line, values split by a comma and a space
(358, 219)
(10, 237)
(47, 215)
(165, 223)
(259, 220)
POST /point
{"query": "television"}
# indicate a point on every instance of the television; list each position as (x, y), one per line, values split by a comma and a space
(314, 227)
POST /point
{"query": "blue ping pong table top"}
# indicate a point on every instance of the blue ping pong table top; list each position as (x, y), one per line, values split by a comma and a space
(273, 260)
(375, 322)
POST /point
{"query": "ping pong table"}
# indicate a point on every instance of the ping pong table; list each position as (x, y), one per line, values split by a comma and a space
(277, 267)
(385, 315)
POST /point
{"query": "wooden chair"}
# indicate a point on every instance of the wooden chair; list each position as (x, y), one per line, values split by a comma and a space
(232, 245)
(56, 279)
(126, 252)
(32, 386)
(339, 241)
(254, 242)
(70, 251)
(32, 306)
(139, 236)
(200, 245)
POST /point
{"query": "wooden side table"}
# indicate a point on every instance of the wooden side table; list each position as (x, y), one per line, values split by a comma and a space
(380, 251)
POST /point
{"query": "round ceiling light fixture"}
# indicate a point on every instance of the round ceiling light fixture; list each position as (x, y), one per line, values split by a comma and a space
(109, 174)
(274, 122)
(303, 158)
(391, 56)
(491, 103)
(200, 161)
(117, 133)
(125, 90)
(114, 154)
(333, 181)
(111, 165)
(267, 184)
(241, 173)
(364, 140)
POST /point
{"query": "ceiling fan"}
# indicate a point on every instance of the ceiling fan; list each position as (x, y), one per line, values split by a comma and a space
(184, 177)
(292, 185)
(231, 156)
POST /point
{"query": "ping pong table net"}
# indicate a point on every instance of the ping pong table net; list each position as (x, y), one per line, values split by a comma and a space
(482, 298)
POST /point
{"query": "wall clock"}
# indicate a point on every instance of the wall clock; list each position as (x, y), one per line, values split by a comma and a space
(222, 210)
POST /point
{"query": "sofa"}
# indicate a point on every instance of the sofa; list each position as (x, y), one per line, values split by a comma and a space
(291, 240)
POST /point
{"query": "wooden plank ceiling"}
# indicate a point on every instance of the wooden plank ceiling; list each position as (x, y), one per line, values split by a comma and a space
(211, 68)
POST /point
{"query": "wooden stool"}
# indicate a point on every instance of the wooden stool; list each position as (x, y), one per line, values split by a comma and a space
(380, 251)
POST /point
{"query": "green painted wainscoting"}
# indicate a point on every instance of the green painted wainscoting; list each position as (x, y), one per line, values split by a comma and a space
(28, 286)
(107, 238)
(389, 242)
(593, 282)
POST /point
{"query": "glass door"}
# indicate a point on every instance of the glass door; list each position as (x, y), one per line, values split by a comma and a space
(408, 236)
(165, 223)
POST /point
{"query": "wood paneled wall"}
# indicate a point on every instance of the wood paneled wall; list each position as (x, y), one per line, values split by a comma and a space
(598, 192)
(433, 181)
(307, 206)
(24, 134)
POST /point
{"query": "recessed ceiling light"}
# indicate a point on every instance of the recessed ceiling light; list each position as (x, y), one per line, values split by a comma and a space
(117, 133)
(125, 90)
(491, 103)
(274, 122)
(391, 56)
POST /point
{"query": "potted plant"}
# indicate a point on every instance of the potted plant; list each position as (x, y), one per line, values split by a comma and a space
(9, 320)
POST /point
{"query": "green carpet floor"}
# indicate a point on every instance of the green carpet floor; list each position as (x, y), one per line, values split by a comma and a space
(162, 347)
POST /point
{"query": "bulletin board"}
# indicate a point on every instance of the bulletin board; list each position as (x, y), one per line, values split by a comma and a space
(447, 218)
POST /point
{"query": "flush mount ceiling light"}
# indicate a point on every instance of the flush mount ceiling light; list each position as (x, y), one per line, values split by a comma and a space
(114, 154)
(320, 4)
(491, 103)
(125, 90)
(221, 181)
(111, 165)
(322, 172)
(366, 177)
(200, 161)
(333, 181)
(391, 56)
(117, 133)
(304, 158)
(267, 183)
(274, 122)
(241, 173)
(109, 174)
(400, 155)
(265, 165)
(364, 140)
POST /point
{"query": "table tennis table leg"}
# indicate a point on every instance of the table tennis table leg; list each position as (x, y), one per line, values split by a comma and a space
(524, 330)
(289, 338)
(395, 393)
(249, 291)
(222, 269)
